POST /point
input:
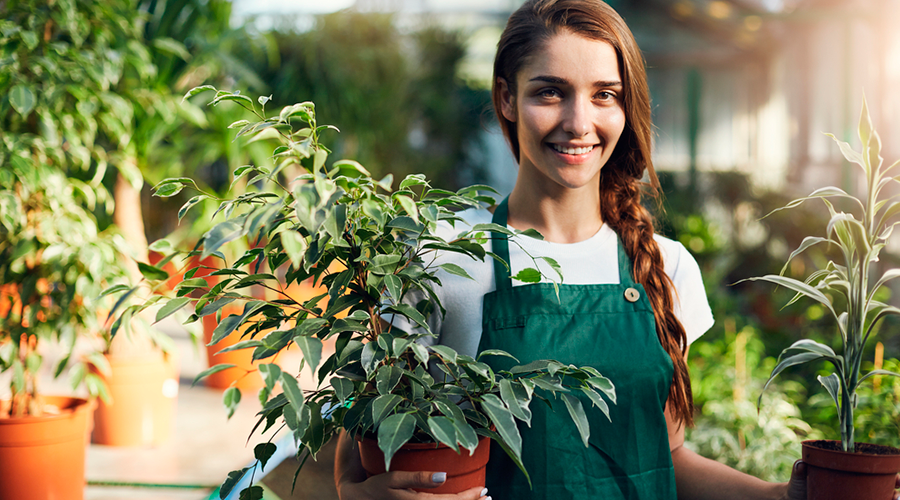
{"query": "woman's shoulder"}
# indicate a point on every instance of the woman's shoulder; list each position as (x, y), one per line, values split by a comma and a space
(677, 260)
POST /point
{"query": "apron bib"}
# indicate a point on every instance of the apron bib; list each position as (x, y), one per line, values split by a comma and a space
(609, 327)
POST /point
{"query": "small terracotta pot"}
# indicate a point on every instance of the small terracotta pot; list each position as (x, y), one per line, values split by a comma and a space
(144, 393)
(43, 457)
(463, 471)
(833, 474)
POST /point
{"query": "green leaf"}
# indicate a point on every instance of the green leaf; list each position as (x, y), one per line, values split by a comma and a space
(597, 401)
(576, 411)
(529, 275)
(209, 371)
(532, 233)
(22, 99)
(219, 235)
(231, 398)
(152, 273)
(295, 245)
(517, 404)
(171, 307)
(444, 431)
(504, 422)
(292, 391)
(252, 493)
(189, 204)
(394, 286)
(496, 352)
(799, 287)
(383, 405)
(263, 452)
(234, 476)
(196, 90)
(605, 386)
(394, 432)
(312, 351)
(386, 378)
(113, 289)
(494, 228)
(168, 190)
(445, 352)
(409, 206)
(343, 388)
(455, 269)
(879, 372)
(796, 359)
(271, 374)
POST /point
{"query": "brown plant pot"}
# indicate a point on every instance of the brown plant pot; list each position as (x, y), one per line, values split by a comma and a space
(463, 471)
(143, 392)
(833, 474)
(43, 457)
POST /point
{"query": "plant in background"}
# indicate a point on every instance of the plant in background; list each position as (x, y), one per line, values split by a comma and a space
(729, 428)
(54, 264)
(846, 288)
(368, 246)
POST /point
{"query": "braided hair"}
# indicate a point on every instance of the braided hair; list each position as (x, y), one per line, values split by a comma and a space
(621, 187)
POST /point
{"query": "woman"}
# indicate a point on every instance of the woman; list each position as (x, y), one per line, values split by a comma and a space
(571, 94)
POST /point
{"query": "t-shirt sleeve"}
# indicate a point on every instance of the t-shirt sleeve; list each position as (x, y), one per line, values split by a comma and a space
(691, 304)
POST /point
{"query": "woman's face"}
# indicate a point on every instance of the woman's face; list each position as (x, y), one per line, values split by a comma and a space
(569, 111)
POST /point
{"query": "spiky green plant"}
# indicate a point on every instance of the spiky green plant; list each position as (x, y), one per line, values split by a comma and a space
(853, 278)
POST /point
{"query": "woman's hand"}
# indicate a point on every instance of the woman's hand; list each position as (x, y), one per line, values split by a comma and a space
(398, 485)
(796, 488)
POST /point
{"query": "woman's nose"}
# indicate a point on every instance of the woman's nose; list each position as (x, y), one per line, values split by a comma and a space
(577, 119)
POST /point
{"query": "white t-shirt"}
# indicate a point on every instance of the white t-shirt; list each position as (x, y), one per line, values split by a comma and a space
(592, 261)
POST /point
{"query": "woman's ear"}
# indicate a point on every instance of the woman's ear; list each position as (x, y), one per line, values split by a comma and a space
(507, 100)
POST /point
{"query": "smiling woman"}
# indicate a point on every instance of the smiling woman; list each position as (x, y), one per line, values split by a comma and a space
(571, 96)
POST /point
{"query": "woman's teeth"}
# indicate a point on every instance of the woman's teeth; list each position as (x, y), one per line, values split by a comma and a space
(572, 151)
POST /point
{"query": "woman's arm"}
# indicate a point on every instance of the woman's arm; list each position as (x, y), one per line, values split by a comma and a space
(350, 480)
(699, 478)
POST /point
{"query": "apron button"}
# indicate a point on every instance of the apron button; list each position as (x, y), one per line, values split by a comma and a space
(632, 295)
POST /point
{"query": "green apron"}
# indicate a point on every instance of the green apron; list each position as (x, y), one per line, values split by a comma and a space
(609, 327)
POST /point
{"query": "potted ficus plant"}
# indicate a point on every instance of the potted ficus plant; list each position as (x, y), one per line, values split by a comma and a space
(847, 287)
(54, 265)
(368, 246)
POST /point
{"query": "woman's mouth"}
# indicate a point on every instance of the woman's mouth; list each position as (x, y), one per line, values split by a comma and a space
(572, 151)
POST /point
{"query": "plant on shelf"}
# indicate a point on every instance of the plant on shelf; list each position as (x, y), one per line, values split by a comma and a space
(368, 246)
(847, 287)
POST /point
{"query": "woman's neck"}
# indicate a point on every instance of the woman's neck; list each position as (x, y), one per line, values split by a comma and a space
(564, 216)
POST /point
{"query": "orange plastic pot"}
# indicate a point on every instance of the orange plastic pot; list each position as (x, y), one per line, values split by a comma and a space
(833, 474)
(143, 392)
(245, 373)
(43, 457)
(463, 471)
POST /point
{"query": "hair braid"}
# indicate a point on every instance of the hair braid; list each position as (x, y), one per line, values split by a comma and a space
(621, 208)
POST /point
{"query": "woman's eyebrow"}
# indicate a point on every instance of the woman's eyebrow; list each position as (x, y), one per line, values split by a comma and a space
(562, 81)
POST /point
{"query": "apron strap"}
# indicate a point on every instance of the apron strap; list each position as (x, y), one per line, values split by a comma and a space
(500, 246)
(626, 276)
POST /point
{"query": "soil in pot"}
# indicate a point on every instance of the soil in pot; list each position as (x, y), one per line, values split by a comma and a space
(833, 474)
(463, 471)
(143, 392)
(43, 457)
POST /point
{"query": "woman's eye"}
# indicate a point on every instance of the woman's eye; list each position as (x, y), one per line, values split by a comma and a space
(549, 93)
(605, 96)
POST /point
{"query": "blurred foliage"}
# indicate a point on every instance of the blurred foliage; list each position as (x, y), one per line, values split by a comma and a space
(727, 375)
(401, 107)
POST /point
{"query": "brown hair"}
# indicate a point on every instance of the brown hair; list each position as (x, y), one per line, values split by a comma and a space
(527, 30)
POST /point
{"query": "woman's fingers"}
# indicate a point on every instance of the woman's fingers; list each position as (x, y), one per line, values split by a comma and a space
(402, 480)
(797, 486)
(897, 486)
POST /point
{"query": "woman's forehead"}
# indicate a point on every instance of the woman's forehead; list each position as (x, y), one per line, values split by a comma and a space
(573, 58)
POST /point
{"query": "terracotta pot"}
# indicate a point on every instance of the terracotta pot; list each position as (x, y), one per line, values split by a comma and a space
(833, 474)
(144, 393)
(463, 471)
(43, 457)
